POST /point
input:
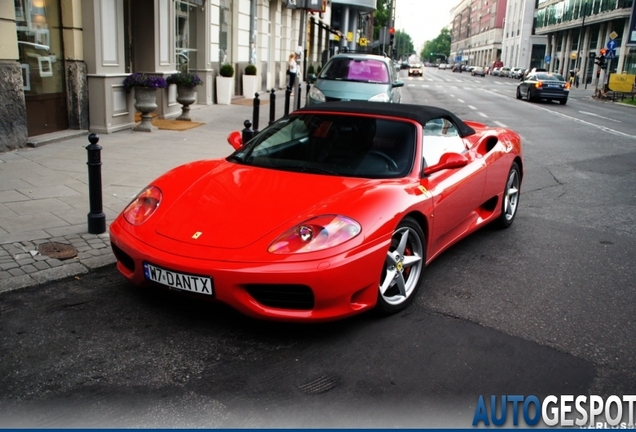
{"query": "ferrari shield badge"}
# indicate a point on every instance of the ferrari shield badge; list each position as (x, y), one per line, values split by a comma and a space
(196, 235)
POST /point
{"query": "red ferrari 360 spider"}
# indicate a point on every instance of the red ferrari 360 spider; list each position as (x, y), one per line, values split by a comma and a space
(331, 211)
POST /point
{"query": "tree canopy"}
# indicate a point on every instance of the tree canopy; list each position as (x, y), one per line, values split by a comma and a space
(438, 48)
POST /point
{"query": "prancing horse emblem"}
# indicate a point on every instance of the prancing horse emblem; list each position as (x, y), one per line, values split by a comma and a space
(196, 235)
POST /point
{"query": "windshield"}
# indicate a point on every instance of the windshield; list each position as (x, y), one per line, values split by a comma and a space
(341, 145)
(358, 70)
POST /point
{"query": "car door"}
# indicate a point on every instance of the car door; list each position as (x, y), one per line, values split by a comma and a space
(456, 193)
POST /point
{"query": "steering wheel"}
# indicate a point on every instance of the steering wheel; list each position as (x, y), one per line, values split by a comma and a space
(392, 165)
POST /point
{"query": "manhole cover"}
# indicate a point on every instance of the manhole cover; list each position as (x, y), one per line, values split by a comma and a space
(59, 251)
(320, 385)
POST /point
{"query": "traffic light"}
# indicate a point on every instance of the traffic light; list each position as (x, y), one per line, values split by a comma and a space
(392, 35)
(600, 60)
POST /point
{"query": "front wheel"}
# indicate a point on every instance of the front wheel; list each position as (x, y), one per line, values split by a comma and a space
(510, 199)
(518, 93)
(403, 268)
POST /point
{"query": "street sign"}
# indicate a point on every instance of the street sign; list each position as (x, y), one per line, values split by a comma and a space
(611, 44)
(548, 59)
(610, 54)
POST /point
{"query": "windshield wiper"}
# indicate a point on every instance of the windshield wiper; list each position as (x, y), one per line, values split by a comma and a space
(313, 170)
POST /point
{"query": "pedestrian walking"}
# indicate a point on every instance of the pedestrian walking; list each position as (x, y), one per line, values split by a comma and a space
(577, 78)
(292, 70)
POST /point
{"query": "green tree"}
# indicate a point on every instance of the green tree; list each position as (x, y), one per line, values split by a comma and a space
(437, 48)
(402, 45)
(380, 17)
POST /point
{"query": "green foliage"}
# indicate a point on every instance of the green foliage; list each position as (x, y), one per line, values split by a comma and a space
(440, 45)
(184, 78)
(227, 70)
(380, 17)
(311, 69)
(403, 45)
(250, 69)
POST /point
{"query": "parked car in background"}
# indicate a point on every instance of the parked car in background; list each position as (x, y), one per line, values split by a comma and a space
(495, 71)
(415, 69)
(518, 73)
(513, 72)
(477, 70)
(504, 71)
(356, 76)
(544, 85)
(457, 68)
(442, 66)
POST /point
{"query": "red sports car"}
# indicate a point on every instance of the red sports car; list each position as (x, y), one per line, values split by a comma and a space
(331, 211)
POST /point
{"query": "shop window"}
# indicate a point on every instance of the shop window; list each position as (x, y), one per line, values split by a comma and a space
(225, 31)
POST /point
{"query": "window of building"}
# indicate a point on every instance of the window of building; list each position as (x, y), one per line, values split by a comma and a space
(225, 31)
(186, 34)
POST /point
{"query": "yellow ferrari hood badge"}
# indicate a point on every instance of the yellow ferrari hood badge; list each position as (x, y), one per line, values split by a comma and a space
(196, 235)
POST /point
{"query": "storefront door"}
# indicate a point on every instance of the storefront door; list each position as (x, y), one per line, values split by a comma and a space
(40, 49)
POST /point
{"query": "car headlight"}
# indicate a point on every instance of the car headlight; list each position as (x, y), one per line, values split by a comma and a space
(382, 97)
(319, 233)
(143, 206)
(317, 95)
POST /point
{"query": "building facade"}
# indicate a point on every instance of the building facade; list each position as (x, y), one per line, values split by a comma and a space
(477, 31)
(576, 28)
(64, 61)
(520, 46)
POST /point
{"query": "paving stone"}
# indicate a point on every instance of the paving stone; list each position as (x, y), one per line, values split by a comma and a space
(9, 266)
(16, 271)
(42, 265)
(29, 269)
(54, 262)
(5, 275)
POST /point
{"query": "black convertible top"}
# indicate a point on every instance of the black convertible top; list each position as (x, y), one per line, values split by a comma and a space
(420, 113)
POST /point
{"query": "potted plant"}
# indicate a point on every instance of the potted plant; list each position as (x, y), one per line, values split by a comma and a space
(250, 81)
(145, 96)
(186, 96)
(225, 84)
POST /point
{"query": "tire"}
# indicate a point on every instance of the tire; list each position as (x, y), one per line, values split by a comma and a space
(563, 101)
(510, 199)
(403, 268)
(518, 93)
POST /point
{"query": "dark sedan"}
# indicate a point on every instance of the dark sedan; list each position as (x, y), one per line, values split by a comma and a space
(544, 85)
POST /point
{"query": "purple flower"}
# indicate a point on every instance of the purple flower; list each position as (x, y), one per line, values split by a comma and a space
(142, 80)
(184, 78)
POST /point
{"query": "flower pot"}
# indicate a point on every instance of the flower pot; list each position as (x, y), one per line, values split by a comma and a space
(250, 85)
(186, 96)
(145, 103)
(224, 90)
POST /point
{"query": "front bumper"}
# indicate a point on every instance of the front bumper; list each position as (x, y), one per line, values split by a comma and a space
(341, 286)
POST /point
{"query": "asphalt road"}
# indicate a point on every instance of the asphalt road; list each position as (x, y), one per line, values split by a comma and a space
(544, 307)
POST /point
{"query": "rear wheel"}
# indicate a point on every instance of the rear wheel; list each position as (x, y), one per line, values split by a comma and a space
(403, 268)
(518, 93)
(510, 200)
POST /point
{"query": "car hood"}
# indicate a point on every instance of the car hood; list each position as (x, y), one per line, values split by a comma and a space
(350, 89)
(234, 205)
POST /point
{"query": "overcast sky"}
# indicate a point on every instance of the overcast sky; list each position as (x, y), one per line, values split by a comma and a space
(422, 19)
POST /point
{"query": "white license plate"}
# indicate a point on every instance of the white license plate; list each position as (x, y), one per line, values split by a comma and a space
(186, 282)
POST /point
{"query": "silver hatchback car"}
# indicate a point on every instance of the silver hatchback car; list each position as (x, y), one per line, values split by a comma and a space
(355, 76)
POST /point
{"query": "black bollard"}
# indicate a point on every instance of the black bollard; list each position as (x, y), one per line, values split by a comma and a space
(272, 106)
(299, 90)
(307, 94)
(96, 217)
(256, 113)
(287, 98)
(247, 133)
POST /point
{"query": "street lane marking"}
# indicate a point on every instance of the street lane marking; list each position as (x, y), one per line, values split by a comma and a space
(482, 114)
(578, 120)
(498, 123)
(460, 100)
(600, 116)
(472, 107)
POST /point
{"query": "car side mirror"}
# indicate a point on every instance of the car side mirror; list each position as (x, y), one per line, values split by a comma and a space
(398, 84)
(311, 78)
(235, 139)
(447, 161)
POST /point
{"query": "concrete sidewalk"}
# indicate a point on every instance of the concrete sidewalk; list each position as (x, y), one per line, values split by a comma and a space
(44, 196)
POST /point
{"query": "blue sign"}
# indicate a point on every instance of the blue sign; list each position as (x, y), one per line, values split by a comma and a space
(610, 54)
(547, 59)
(611, 44)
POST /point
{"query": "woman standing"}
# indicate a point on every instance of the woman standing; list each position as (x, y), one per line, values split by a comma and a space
(292, 70)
